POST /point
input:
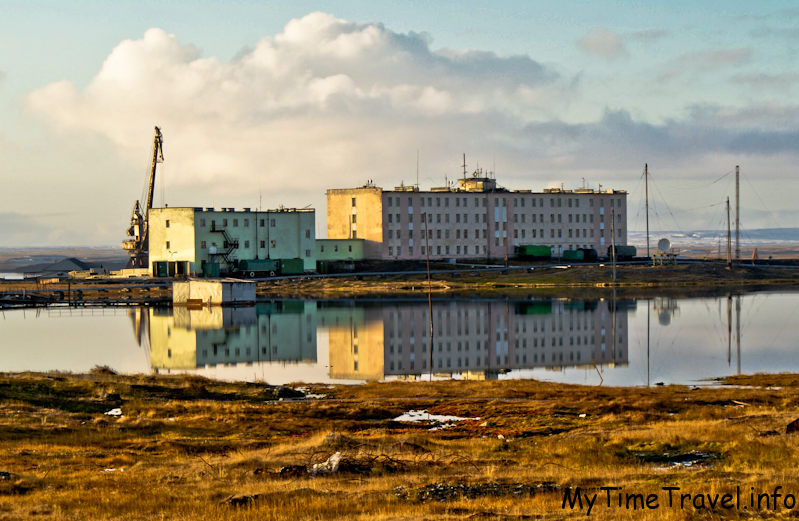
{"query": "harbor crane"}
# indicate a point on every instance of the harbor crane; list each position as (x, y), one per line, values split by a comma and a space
(138, 246)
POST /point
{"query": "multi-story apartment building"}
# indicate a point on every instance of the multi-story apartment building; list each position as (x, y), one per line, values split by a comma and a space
(183, 240)
(476, 218)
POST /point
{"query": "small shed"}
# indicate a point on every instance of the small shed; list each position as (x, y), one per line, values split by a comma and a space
(215, 292)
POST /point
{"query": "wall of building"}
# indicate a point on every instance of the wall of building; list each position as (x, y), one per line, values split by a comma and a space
(171, 235)
(357, 213)
(468, 224)
(188, 235)
(339, 249)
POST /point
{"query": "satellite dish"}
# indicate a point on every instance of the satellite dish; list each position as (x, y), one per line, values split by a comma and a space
(664, 245)
(212, 250)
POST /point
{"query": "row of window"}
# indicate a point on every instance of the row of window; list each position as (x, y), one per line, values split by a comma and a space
(553, 201)
(392, 218)
(246, 222)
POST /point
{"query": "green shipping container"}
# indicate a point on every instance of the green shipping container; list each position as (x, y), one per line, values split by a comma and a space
(530, 250)
(258, 265)
(291, 267)
(573, 255)
(627, 252)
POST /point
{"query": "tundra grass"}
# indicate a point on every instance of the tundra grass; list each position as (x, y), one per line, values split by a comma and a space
(192, 448)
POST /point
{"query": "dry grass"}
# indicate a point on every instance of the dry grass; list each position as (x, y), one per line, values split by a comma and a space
(185, 445)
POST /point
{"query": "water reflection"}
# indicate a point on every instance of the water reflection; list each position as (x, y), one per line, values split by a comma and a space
(473, 339)
(641, 342)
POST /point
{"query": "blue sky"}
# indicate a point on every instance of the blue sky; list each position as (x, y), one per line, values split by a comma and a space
(278, 102)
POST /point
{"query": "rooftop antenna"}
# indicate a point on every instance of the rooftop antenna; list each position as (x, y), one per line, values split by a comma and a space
(464, 166)
(417, 168)
(737, 222)
(583, 182)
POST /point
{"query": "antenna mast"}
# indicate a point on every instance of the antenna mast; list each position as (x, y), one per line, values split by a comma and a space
(464, 166)
(646, 191)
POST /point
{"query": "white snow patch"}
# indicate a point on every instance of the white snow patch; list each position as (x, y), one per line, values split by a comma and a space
(437, 421)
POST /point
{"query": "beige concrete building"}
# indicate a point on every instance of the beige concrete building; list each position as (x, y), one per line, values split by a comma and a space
(476, 218)
(183, 240)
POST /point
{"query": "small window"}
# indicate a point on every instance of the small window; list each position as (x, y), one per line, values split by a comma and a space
(272, 244)
(350, 247)
(235, 222)
(307, 234)
(246, 244)
(202, 222)
(167, 223)
(353, 201)
(246, 223)
(202, 244)
(167, 245)
(262, 223)
(390, 201)
(263, 244)
(224, 223)
(322, 248)
(271, 223)
(307, 253)
(353, 218)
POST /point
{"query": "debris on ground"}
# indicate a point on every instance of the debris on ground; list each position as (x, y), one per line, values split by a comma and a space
(328, 467)
(665, 460)
(445, 492)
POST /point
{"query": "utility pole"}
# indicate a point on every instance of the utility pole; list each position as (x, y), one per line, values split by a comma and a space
(737, 222)
(729, 253)
(646, 192)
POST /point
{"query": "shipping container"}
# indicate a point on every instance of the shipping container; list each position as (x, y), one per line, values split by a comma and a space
(573, 255)
(624, 252)
(291, 267)
(534, 251)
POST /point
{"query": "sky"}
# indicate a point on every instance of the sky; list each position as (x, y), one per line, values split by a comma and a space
(265, 104)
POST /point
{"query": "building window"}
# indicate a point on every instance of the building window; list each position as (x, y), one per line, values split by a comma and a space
(262, 223)
(353, 201)
(202, 244)
(167, 245)
(560, 234)
(397, 201)
(423, 250)
(399, 250)
(446, 217)
(307, 234)
(389, 202)
(271, 223)
(322, 248)
(167, 223)
(246, 223)
(446, 201)
(202, 223)
(246, 244)
(272, 244)
(354, 234)
(391, 250)
(466, 252)
(465, 234)
(224, 223)
(350, 247)
(457, 215)
(263, 244)
(577, 203)
(399, 234)
(307, 253)
(438, 201)
(457, 234)
(353, 218)
(446, 248)
(391, 217)
(335, 248)
(410, 201)
(458, 250)
(438, 234)
(438, 250)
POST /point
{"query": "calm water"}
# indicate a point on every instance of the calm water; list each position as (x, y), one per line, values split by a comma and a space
(347, 341)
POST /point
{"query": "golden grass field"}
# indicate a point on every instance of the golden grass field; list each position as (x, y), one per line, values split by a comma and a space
(191, 448)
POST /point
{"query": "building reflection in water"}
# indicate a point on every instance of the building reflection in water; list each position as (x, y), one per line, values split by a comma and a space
(476, 339)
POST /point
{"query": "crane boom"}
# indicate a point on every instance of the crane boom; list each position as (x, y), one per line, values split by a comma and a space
(138, 247)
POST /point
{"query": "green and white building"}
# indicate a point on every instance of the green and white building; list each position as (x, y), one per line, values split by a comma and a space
(182, 241)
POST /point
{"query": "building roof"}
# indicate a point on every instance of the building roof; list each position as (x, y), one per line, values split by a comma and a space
(66, 265)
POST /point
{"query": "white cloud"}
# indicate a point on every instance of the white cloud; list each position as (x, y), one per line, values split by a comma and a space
(604, 43)
(325, 99)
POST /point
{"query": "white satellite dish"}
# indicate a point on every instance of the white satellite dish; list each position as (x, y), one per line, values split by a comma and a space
(212, 250)
(664, 245)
